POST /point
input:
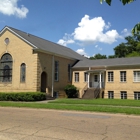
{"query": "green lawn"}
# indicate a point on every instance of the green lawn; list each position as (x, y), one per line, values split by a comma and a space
(113, 102)
(98, 105)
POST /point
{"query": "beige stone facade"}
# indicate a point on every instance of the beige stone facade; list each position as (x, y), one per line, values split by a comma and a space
(117, 86)
(37, 63)
(49, 67)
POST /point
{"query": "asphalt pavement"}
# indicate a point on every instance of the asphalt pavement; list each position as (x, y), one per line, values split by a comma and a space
(44, 124)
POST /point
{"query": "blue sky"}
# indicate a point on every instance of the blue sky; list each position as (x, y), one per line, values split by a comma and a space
(86, 26)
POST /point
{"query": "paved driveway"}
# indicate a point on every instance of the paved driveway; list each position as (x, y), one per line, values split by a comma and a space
(41, 124)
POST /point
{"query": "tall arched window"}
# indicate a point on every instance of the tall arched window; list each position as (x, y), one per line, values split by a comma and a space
(6, 68)
(23, 73)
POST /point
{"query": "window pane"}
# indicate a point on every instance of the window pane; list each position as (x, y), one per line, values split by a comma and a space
(6, 68)
(110, 77)
(136, 75)
(76, 77)
(110, 94)
(85, 76)
(22, 73)
(123, 95)
(123, 76)
(56, 71)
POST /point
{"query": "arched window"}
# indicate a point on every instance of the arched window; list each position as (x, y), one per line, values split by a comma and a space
(23, 73)
(6, 68)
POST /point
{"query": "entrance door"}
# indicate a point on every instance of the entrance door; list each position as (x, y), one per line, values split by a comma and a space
(96, 80)
(43, 82)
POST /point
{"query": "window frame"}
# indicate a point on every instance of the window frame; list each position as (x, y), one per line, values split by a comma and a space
(110, 94)
(110, 76)
(56, 71)
(6, 68)
(123, 76)
(123, 94)
(85, 76)
(136, 76)
(69, 72)
(23, 73)
(76, 77)
(136, 95)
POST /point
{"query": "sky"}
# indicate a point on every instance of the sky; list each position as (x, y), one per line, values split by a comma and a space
(85, 26)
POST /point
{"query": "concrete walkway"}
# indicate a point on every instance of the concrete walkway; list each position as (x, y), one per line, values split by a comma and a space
(43, 124)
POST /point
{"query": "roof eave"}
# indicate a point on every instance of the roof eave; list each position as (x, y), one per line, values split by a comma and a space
(55, 54)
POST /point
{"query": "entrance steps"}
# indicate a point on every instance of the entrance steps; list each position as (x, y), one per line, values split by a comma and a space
(92, 93)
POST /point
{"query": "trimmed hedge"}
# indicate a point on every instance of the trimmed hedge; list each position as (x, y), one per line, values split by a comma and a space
(22, 96)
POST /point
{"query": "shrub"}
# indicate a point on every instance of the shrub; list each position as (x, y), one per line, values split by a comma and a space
(22, 96)
(71, 91)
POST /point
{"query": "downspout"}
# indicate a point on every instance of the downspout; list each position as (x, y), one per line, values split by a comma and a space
(52, 74)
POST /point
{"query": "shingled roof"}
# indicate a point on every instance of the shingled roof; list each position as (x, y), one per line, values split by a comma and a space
(47, 46)
(109, 62)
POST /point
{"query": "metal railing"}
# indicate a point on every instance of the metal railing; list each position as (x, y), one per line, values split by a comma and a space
(84, 89)
(97, 91)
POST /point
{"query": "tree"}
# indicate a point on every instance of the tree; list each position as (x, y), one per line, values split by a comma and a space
(136, 28)
(123, 1)
(98, 56)
(130, 48)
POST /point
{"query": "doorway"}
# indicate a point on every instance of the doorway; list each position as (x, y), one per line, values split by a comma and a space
(43, 82)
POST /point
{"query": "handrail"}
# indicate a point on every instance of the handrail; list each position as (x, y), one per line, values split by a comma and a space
(97, 91)
(85, 88)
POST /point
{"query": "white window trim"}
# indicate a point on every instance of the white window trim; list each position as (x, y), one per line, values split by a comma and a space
(76, 77)
(136, 78)
(123, 76)
(110, 75)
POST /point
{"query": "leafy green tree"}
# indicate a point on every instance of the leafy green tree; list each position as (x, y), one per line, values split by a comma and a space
(123, 1)
(133, 54)
(131, 46)
(98, 56)
(112, 56)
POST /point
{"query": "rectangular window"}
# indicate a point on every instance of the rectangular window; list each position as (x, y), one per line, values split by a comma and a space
(136, 76)
(95, 78)
(123, 76)
(77, 77)
(110, 94)
(123, 95)
(137, 95)
(110, 76)
(85, 76)
(69, 72)
(56, 71)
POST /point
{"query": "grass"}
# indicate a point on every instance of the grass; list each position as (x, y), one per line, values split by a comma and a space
(113, 102)
(99, 105)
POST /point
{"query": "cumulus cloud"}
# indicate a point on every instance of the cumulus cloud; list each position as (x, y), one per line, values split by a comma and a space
(82, 52)
(90, 31)
(67, 39)
(10, 7)
(125, 32)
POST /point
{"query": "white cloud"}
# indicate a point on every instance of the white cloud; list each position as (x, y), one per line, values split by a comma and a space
(10, 7)
(96, 46)
(126, 32)
(66, 40)
(82, 52)
(90, 31)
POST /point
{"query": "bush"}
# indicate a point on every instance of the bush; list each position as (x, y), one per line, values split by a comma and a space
(22, 96)
(71, 91)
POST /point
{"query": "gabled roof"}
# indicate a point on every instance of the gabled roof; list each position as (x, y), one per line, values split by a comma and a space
(109, 62)
(44, 45)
